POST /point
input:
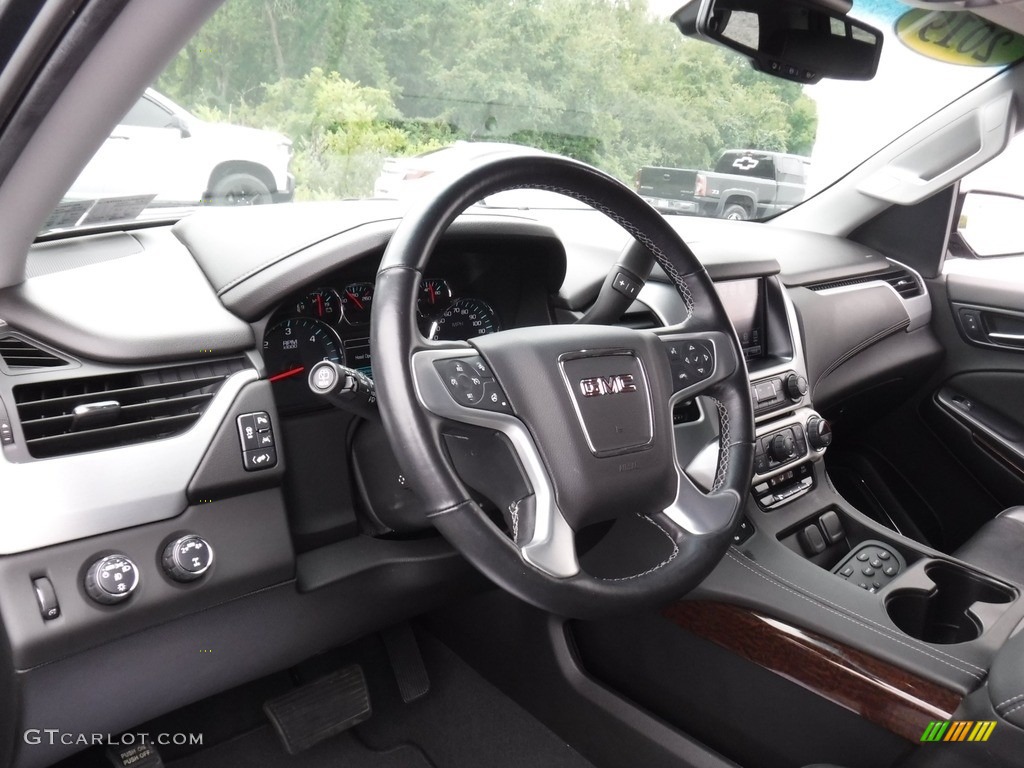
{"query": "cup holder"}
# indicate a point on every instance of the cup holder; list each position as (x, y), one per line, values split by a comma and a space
(943, 613)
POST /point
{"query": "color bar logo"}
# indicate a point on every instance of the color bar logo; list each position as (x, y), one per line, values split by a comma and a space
(958, 730)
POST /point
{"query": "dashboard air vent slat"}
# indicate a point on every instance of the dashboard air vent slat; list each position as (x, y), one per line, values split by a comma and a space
(19, 354)
(147, 405)
(905, 284)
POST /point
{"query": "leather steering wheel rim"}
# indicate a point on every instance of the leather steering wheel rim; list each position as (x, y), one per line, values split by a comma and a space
(699, 524)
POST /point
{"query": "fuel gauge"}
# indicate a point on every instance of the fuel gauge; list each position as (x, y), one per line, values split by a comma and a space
(323, 304)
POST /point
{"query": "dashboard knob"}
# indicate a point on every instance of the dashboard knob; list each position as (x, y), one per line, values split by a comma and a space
(796, 386)
(187, 558)
(782, 448)
(111, 579)
(819, 433)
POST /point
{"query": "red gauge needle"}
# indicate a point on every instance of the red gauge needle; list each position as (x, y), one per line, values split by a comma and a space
(433, 293)
(355, 299)
(287, 374)
(319, 305)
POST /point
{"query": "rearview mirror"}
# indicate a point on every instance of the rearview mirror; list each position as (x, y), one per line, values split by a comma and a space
(800, 41)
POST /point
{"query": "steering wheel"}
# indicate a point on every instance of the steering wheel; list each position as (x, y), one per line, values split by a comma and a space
(579, 416)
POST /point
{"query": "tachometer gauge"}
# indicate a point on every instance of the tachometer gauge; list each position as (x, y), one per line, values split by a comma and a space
(290, 349)
(356, 298)
(323, 304)
(435, 297)
(464, 319)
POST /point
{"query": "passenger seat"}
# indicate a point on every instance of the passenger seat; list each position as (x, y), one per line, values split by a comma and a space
(998, 546)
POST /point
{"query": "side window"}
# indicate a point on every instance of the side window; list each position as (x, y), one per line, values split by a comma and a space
(147, 114)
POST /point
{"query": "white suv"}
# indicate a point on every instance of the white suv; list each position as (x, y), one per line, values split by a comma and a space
(160, 148)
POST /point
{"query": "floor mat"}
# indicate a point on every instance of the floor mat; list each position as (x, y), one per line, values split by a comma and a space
(464, 722)
(263, 748)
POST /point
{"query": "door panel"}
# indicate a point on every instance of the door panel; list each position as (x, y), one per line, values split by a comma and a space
(978, 404)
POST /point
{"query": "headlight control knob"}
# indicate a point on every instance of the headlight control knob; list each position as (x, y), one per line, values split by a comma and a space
(187, 558)
(819, 433)
(796, 386)
(111, 579)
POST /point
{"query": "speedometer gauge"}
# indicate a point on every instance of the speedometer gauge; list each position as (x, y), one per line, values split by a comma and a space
(466, 318)
(290, 349)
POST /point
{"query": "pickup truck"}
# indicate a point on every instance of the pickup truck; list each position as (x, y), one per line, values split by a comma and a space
(745, 184)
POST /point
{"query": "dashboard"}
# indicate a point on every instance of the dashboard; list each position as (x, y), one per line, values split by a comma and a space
(300, 559)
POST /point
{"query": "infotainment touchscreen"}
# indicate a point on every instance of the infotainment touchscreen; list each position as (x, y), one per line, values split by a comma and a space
(744, 303)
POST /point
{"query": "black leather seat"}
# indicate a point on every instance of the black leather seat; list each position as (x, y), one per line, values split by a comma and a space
(998, 547)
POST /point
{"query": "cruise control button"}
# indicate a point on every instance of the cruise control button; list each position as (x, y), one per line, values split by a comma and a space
(876, 563)
(480, 367)
(868, 571)
(883, 555)
(863, 557)
(891, 570)
(494, 398)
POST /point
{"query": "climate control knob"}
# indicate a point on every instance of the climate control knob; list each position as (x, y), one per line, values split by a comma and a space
(782, 448)
(796, 386)
(819, 433)
(111, 579)
(187, 558)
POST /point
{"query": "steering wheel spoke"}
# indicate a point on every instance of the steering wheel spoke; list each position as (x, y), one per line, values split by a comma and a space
(539, 530)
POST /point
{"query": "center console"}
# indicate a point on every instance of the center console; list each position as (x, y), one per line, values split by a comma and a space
(805, 556)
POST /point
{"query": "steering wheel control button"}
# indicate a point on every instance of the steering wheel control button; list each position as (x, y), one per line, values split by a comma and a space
(470, 383)
(690, 361)
(111, 579)
(261, 458)
(627, 285)
(187, 558)
(860, 564)
(46, 597)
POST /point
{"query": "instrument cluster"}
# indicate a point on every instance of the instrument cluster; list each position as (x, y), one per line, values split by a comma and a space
(333, 323)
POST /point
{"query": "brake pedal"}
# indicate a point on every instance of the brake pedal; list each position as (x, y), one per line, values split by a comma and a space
(407, 662)
(320, 709)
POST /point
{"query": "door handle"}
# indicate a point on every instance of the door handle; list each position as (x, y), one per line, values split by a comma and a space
(988, 327)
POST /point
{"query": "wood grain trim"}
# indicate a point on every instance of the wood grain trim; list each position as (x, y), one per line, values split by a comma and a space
(874, 689)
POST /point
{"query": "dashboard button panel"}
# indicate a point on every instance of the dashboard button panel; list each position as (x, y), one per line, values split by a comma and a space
(256, 435)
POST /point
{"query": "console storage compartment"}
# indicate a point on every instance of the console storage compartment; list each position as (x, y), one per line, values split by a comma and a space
(943, 603)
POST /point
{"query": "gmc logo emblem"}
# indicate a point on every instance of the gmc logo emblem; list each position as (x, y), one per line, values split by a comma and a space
(607, 385)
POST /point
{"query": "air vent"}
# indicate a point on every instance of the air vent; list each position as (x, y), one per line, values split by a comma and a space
(902, 280)
(19, 354)
(89, 414)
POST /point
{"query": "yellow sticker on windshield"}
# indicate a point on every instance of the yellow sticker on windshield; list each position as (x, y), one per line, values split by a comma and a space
(959, 37)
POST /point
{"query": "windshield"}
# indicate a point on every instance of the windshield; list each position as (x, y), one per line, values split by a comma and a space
(276, 101)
